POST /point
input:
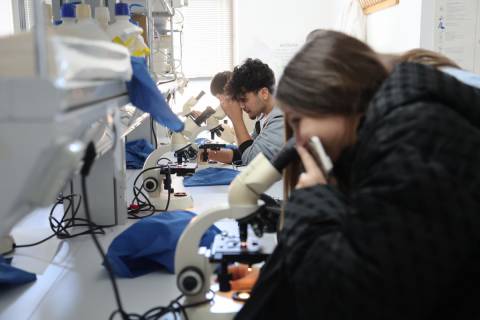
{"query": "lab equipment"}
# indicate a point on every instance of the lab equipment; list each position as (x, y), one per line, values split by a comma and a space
(191, 103)
(123, 32)
(163, 184)
(69, 57)
(85, 27)
(68, 14)
(184, 143)
(149, 245)
(102, 15)
(160, 34)
(193, 267)
(184, 149)
(37, 167)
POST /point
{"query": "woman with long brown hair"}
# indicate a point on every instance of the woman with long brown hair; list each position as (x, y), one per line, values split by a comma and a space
(396, 235)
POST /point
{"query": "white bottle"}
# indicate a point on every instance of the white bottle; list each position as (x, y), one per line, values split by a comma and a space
(124, 32)
(102, 15)
(87, 24)
(85, 28)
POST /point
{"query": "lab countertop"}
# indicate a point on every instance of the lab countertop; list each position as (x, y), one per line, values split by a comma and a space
(76, 286)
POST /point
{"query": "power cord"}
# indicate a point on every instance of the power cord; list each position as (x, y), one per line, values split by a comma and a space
(88, 161)
(153, 133)
(61, 227)
(156, 313)
(174, 308)
(140, 205)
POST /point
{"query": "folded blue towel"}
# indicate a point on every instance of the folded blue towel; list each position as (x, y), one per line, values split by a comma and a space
(211, 177)
(144, 94)
(149, 245)
(10, 276)
(137, 151)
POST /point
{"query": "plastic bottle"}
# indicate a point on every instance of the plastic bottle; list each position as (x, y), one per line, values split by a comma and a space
(124, 32)
(102, 15)
(85, 28)
(68, 14)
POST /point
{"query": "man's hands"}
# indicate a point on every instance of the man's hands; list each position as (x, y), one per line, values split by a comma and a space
(313, 175)
(234, 112)
(232, 109)
(223, 155)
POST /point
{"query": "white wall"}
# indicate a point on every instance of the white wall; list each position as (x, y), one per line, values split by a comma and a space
(396, 29)
(6, 17)
(273, 30)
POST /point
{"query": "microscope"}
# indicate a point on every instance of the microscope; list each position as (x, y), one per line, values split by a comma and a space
(185, 152)
(209, 120)
(194, 266)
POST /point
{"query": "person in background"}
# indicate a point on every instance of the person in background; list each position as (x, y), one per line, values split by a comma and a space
(250, 89)
(392, 231)
(217, 89)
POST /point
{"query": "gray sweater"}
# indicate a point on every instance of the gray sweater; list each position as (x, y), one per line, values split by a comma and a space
(270, 139)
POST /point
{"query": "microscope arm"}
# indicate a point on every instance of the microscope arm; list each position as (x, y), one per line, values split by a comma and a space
(193, 269)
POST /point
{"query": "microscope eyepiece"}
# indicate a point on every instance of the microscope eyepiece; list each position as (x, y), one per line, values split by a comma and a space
(285, 156)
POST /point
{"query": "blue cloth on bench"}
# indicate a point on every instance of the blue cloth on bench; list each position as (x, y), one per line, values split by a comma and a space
(211, 177)
(137, 151)
(149, 245)
(11, 276)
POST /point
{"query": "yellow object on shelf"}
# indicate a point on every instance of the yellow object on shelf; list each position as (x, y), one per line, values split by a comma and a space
(371, 6)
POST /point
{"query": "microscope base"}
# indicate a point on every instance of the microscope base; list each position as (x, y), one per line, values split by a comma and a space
(223, 307)
(6, 244)
(176, 202)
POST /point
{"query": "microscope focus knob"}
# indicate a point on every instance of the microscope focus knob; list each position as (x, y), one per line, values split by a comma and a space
(190, 281)
(150, 184)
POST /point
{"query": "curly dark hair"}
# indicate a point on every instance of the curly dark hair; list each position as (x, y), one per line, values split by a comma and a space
(251, 76)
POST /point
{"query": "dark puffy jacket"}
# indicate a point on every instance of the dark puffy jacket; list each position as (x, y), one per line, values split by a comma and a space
(400, 237)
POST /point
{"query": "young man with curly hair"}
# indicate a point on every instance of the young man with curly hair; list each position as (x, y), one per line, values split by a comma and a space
(250, 89)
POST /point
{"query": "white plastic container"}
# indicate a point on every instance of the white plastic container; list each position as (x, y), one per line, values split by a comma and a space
(85, 28)
(102, 16)
(124, 32)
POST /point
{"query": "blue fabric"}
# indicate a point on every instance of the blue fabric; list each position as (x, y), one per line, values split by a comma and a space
(144, 94)
(10, 276)
(149, 245)
(137, 151)
(211, 177)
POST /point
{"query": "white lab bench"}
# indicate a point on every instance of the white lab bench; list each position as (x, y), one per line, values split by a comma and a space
(76, 286)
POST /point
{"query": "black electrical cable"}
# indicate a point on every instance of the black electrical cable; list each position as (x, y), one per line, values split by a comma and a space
(163, 82)
(153, 133)
(139, 205)
(60, 227)
(100, 250)
(153, 314)
(88, 160)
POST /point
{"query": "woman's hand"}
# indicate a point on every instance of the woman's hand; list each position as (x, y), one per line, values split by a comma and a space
(243, 277)
(313, 175)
